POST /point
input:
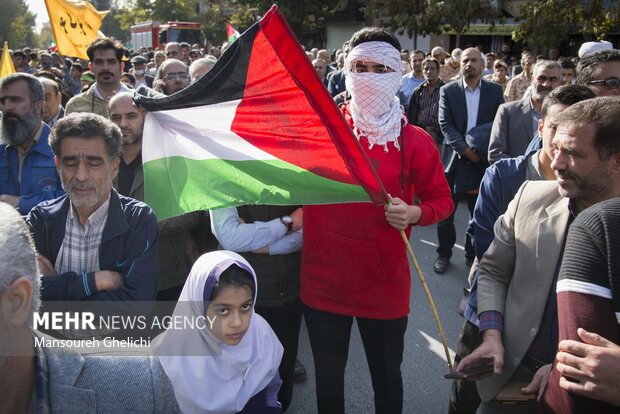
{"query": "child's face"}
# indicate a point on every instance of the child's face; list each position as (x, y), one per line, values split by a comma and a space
(230, 313)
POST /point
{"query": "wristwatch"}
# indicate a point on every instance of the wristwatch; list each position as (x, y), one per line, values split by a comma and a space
(288, 223)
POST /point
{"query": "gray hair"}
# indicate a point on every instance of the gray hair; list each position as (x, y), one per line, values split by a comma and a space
(589, 64)
(34, 85)
(88, 126)
(17, 254)
(207, 61)
(161, 71)
(549, 64)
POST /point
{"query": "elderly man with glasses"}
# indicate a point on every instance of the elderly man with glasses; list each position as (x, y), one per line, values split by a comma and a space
(171, 77)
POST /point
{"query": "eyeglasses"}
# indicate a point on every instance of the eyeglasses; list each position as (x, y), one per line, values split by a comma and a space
(176, 75)
(171, 53)
(609, 83)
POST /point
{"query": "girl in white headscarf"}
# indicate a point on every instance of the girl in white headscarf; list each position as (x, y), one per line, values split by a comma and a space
(230, 366)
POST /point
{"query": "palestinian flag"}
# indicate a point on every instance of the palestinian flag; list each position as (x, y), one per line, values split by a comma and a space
(259, 128)
(231, 33)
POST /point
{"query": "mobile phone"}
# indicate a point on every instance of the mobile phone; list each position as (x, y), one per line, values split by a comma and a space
(471, 372)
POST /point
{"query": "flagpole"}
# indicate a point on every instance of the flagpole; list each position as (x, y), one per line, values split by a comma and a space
(429, 297)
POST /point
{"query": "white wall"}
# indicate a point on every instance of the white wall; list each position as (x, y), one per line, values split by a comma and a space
(338, 33)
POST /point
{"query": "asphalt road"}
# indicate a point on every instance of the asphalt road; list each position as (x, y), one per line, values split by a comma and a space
(424, 363)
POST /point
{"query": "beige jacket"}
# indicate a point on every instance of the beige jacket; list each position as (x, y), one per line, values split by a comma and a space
(517, 270)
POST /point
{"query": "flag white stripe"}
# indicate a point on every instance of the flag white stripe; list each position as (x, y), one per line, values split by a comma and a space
(578, 286)
(198, 133)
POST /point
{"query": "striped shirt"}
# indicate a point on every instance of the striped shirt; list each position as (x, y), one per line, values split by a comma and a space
(429, 106)
(79, 252)
(591, 265)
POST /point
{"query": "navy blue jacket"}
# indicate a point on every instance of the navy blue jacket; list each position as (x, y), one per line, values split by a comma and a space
(128, 246)
(336, 82)
(499, 186)
(40, 179)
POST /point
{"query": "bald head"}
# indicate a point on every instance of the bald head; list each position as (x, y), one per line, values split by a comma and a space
(472, 65)
(53, 98)
(129, 118)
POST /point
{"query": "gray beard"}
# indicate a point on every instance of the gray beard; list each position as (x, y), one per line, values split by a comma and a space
(18, 131)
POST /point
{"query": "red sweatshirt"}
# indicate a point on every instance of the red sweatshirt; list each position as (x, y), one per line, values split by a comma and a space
(355, 263)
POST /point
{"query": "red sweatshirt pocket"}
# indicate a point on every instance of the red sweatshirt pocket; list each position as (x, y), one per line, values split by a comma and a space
(337, 261)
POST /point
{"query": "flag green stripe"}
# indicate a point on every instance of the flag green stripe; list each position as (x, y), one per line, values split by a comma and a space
(177, 185)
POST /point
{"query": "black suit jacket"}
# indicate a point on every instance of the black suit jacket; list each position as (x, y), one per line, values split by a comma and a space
(453, 117)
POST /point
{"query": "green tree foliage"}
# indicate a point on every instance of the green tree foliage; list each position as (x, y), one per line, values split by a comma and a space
(111, 25)
(135, 11)
(17, 24)
(459, 14)
(45, 37)
(429, 16)
(413, 16)
(547, 22)
(302, 16)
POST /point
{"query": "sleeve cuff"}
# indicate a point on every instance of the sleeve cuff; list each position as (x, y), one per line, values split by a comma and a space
(491, 320)
(278, 230)
(88, 280)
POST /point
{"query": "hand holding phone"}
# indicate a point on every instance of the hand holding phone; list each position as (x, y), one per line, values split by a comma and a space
(471, 373)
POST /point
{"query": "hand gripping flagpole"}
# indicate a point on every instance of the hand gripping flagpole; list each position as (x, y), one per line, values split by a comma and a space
(429, 297)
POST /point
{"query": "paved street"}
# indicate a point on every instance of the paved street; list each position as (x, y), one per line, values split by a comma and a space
(426, 391)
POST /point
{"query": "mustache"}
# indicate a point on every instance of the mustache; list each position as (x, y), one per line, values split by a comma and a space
(564, 175)
(11, 115)
(85, 185)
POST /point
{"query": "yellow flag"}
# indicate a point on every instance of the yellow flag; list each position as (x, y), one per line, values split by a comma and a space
(75, 24)
(6, 64)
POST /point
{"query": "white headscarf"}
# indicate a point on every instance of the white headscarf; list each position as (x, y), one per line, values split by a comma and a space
(375, 108)
(208, 376)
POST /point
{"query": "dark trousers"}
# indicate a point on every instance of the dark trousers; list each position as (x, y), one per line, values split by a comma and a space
(383, 342)
(464, 398)
(285, 321)
(446, 233)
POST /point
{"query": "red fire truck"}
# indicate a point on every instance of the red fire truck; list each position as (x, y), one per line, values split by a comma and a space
(155, 34)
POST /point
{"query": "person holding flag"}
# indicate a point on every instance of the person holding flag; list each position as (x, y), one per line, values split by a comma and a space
(354, 261)
(268, 133)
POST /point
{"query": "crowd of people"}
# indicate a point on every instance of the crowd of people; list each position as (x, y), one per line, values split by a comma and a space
(530, 146)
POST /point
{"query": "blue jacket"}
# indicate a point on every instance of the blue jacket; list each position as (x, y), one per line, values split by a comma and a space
(128, 246)
(499, 185)
(40, 179)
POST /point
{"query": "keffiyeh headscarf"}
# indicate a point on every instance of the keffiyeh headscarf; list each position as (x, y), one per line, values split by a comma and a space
(375, 108)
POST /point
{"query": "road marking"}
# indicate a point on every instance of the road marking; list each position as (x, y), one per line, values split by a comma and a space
(436, 347)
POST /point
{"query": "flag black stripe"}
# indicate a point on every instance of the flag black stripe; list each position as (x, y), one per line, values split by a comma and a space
(225, 82)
